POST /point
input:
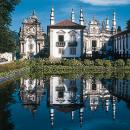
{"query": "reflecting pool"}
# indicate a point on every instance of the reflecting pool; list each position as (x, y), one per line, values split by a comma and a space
(61, 103)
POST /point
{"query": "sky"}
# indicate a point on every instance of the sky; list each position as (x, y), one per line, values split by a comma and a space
(99, 9)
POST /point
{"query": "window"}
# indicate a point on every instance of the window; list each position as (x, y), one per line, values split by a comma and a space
(23, 47)
(72, 51)
(61, 38)
(94, 43)
(61, 94)
(61, 51)
(93, 86)
(73, 37)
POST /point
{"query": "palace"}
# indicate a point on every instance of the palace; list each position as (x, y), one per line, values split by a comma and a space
(69, 39)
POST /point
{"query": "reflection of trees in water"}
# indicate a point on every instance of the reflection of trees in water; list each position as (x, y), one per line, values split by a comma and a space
(6, 99)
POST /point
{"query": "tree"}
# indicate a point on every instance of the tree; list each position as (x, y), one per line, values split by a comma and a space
(128, 25)
(119, 29)
(7, 38)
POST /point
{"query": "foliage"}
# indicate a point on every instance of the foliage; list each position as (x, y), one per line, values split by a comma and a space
(119, 29)
(12, 66)
(107, 63)
(88, 62)
(128, 25)
(119, 63)
(7, 38)
(128, 62)
(99, 62)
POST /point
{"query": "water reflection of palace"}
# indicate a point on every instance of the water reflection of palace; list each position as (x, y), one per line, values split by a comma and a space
(31, 93)
(121, 89)
(98, 95)
(72, 95)
(66, 96)
(95, 91)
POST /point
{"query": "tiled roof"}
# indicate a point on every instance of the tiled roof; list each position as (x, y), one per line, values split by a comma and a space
(67, 23)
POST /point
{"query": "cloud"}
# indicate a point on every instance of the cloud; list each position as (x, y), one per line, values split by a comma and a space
(106, 2)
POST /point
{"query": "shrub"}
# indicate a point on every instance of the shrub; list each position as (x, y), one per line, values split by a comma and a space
(99, 62)
(119, 63)
(88, 62)
(75, 62)
(72, 62)
(107, 63)
(128, 62)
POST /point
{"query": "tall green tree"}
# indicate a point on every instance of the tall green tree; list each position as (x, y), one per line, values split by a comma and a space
(7, 39)
(128, 25)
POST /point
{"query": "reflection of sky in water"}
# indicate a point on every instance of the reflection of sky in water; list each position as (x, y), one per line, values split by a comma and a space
(23, 119)
(99, 120)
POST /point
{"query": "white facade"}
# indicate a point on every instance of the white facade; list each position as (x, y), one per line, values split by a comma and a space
(32, 37)
(122, 43)
(65, 38)
(59, 49)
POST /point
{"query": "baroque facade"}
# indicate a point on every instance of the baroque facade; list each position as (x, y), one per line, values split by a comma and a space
(97, 36)
(32, 37)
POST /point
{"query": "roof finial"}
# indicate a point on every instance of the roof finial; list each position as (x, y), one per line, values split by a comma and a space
(52, 17)
(72, 15)
(114, 29)
(107, 24)
(81, 17)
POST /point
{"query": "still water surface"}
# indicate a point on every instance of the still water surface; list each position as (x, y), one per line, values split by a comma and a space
(59, 103)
